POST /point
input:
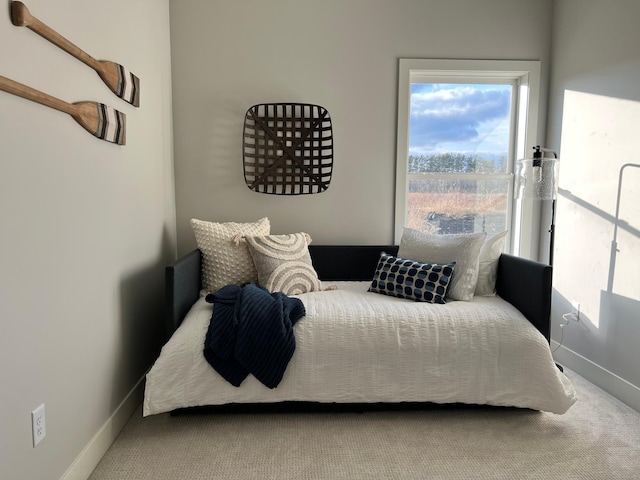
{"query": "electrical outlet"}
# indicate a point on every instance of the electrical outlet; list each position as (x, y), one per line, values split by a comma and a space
(38, 425)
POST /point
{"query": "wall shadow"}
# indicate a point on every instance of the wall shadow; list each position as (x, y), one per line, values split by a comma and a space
(623, 324)
(141, 328)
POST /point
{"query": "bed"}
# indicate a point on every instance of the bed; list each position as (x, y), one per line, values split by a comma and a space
(358, 347)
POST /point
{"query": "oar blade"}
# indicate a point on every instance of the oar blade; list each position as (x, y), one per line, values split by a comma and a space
(121, 81)
(102, 121)
(112, 126)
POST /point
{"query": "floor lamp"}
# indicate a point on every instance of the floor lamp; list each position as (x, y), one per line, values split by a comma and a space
(537, 178)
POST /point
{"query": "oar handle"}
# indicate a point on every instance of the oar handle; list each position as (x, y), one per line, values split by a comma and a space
(11, 86)
(21, 17)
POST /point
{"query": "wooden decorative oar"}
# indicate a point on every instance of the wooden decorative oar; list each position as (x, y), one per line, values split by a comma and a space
(100, 120)
(121, 82)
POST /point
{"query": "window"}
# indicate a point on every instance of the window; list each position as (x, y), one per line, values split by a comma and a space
(461, 124)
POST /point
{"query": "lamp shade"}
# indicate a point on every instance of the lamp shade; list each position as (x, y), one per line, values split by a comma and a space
(537, 177)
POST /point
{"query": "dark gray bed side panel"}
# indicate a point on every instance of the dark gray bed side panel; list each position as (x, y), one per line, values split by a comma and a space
(526, 285)
(182, 279)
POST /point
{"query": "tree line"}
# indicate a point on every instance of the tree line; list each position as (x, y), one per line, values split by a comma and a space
(456, 163)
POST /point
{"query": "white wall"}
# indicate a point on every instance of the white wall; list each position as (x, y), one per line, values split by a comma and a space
(86, 227)
(594, 118)
(343, 55)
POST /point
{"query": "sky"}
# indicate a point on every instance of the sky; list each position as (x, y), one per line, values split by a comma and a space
(459, 118)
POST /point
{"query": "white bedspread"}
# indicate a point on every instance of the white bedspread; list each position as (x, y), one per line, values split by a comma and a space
(354, 346)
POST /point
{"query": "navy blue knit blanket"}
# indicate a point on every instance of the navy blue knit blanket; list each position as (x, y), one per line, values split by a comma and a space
(251, 331)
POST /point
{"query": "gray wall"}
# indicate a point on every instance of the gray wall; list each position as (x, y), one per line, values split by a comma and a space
(343, 55)
(86, 227)
(594, 118)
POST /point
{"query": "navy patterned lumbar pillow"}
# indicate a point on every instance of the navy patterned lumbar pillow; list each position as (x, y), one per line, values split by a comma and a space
(423, 282)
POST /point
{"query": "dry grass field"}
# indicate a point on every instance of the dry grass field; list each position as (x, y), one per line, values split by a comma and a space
(422, 206)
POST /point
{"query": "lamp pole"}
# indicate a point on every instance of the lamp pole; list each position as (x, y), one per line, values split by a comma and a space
(614, 242)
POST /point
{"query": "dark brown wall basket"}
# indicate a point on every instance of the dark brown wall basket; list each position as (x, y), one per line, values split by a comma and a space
(287, 148)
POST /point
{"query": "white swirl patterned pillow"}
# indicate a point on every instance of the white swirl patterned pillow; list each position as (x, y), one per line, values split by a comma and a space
(283, 263)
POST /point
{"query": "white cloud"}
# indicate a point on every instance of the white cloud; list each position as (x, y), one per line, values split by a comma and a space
(469, 118)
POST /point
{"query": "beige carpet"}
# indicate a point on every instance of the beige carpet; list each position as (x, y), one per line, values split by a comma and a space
(599, 438)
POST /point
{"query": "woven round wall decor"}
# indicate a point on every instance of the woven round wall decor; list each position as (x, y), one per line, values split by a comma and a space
(287, 148)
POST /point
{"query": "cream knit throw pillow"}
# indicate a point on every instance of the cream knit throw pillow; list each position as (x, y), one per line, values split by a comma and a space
(225, 261)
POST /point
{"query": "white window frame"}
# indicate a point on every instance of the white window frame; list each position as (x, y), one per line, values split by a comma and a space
(525, 75)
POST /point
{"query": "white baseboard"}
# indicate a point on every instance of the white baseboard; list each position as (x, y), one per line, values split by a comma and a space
(611, 383)
(91, 455)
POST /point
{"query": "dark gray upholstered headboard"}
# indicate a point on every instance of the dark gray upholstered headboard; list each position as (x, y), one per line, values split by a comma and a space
(523, 283)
